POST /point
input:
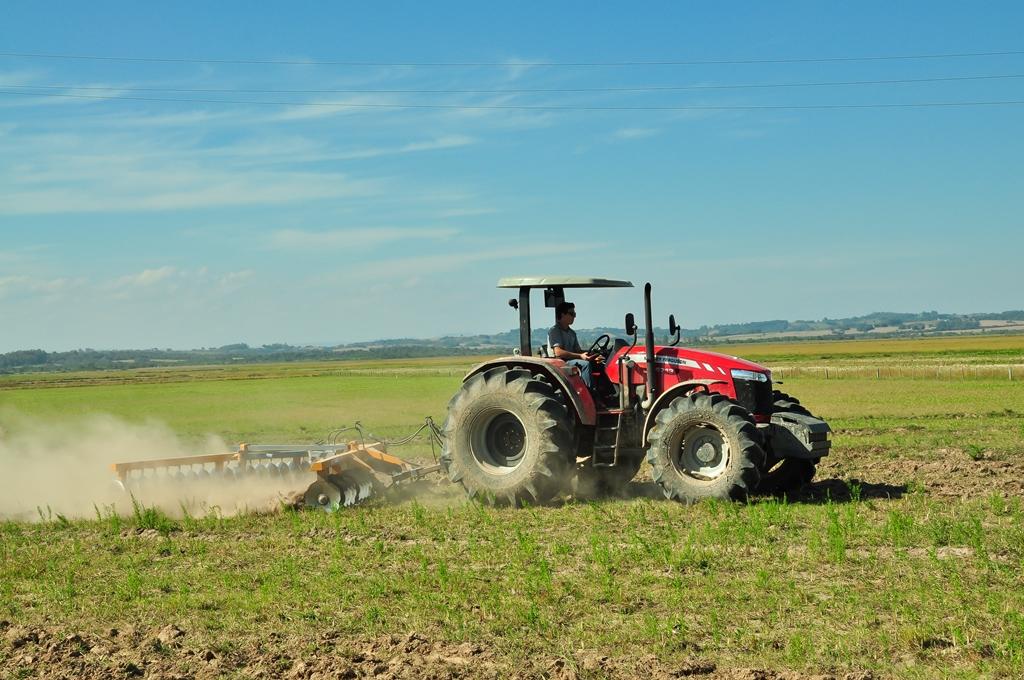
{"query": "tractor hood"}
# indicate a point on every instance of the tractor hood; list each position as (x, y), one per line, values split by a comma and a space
(686, 360)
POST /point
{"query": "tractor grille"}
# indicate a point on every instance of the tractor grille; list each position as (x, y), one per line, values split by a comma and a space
(754, 396)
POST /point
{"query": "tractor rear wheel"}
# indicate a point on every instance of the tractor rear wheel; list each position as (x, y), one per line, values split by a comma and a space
(508, 438)
(705, 446)
(781, 476)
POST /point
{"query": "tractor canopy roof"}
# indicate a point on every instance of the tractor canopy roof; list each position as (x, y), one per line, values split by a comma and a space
(561, 282)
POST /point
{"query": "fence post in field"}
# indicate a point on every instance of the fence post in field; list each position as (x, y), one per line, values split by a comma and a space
(1009, 372)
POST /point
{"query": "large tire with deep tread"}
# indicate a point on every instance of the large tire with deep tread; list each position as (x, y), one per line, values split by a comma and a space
(786, 476)
(597, 482)
(705, 446)
(784, 402)
(508, 438)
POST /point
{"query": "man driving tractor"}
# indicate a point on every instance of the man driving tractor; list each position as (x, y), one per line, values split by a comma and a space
(566, 346)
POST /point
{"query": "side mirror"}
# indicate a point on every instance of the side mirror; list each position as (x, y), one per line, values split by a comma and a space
(673, 328)
(630, 324)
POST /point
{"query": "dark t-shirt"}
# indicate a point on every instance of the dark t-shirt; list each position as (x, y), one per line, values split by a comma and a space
(566, 339)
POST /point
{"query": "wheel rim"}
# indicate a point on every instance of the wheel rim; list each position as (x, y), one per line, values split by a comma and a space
(702, 453)
(498, 441)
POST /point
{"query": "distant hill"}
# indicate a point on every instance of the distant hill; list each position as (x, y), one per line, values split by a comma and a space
(876, 325)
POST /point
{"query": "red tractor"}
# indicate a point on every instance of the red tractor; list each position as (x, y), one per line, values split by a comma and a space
(523, 428)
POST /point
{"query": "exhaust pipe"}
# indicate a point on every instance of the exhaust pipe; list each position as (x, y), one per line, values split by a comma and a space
(649, 347)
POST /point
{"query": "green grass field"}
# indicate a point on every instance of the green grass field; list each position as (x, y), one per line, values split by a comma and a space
(903, 559)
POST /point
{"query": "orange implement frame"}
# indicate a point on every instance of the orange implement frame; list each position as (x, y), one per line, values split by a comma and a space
(361, 456)
(122, 470)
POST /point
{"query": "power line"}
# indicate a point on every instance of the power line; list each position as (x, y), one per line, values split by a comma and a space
(692, 62)
(518, 107)
(650, 88)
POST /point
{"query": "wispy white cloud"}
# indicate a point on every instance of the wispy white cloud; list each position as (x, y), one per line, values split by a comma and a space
(337, 106)
(445, 142)
(40, 286)
(63, 172)
(355, 238)
(745, 133)
(8, 284)
(635, 133)
(171, 120)
(20, 78)
(466, 212)
(209, 189)
(147, 277)
(421, 265)
(156, 281)
(516, 68)
(234, 280)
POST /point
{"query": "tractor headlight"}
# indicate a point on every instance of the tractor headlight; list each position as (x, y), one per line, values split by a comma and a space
(754, 376)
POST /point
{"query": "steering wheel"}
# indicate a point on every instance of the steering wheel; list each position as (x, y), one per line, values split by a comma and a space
(602, 346)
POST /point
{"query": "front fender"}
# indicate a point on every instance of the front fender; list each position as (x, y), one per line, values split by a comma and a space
(666, 397)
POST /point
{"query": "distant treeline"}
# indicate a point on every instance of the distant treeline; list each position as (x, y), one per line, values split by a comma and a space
(921, 321)
(92, 360)
(894, 324)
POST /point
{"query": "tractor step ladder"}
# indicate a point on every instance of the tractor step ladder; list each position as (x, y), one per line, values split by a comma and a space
(607, 438)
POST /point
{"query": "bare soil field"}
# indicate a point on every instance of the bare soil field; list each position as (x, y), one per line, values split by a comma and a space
(165, 653)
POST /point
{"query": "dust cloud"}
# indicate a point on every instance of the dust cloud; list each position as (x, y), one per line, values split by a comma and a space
(50, 468)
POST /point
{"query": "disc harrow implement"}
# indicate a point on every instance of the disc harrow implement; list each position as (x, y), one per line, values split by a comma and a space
(336, 475)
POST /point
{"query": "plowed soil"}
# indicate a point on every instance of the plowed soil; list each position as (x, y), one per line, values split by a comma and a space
(170, 654)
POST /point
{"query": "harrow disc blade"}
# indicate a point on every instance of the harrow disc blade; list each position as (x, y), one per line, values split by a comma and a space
(323, 495)
(355, 487)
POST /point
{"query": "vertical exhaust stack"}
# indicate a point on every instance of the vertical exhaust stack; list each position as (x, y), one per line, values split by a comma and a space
(649, 347)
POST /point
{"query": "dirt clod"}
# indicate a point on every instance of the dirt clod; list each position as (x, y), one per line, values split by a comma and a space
(168, 634)
(691, 668)
(18, 636)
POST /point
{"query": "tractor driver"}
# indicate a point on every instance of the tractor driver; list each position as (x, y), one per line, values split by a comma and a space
(566, 346)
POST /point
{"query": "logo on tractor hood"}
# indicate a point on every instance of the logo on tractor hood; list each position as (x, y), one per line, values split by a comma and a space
(641, 358)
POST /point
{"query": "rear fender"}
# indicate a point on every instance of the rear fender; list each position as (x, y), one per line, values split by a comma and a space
(678, 390)
(579, 400)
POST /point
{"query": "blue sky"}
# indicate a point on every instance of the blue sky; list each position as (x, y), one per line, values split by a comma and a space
(127, 223)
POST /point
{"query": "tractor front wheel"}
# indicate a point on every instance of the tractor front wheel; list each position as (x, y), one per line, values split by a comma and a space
(704, 446)
(508, 438)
